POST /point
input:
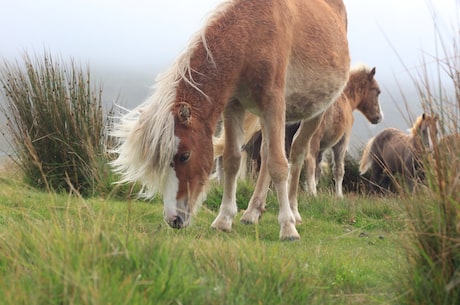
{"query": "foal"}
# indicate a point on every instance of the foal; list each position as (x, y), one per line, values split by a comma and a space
(362, 93)
(393, 152)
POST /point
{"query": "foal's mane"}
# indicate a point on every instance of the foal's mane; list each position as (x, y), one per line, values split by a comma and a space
(146, 135)
(414, 129)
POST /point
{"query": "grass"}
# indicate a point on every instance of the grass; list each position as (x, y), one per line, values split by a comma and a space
(63, 249)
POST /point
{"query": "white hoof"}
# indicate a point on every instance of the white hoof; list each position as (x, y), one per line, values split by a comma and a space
(222, 223)
(289, 232)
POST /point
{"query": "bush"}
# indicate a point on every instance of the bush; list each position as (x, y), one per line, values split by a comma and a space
(434, 255)
(56, 125)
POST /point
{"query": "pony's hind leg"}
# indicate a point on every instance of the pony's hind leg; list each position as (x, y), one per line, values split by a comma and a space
(256, 205)
(339, 151)
(311, 165)
(233, 118)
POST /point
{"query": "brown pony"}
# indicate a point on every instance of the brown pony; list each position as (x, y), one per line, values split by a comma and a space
(281, 60)
(393, 153)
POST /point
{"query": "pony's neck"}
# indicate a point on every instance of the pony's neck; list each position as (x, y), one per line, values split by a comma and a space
(353, 92)
(210, 77)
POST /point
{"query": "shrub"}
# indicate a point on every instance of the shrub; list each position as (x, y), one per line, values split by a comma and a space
(434, 255)
(56, 125)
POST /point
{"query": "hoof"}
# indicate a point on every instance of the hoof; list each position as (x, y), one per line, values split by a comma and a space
(222, 223)
(250, 217)
(298, 219)
(290, 238)
(289, 232)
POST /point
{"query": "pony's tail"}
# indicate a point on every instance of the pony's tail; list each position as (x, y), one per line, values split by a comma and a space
(366, 160)
(219, 143)
(251, 125)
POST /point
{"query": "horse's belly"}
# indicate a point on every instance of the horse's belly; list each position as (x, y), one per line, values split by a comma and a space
(307, 98)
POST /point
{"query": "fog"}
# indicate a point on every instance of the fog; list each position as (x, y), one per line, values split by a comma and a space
(127, 43)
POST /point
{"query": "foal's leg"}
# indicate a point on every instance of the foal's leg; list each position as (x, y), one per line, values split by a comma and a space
(233, 119)
(300, 147)
(311, 164)
(319, 159)
(340, 150)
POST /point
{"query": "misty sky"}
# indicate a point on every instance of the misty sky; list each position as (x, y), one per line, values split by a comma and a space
(148, 34)
(142, 37)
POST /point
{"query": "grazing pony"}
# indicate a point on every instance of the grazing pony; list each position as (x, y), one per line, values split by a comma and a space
(362, 93)
(393, 152)
(281, 60)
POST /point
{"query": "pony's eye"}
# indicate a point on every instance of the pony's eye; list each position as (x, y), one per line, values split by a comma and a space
(184, 157)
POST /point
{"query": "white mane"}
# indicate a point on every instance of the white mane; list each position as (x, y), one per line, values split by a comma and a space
(146, 140)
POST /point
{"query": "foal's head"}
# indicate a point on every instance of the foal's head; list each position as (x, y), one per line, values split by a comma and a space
(424, 131)
(190, 168)
(368, 93)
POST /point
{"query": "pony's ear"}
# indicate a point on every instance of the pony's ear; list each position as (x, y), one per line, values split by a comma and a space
(184, 113)
(371, 74)
(424, 116)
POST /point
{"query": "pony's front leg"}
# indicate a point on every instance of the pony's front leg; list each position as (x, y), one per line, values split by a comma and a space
(233, 118)
(300, 147)
(274, 131)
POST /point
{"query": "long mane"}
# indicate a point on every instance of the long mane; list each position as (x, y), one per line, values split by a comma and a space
(146, 140)
(414, 129)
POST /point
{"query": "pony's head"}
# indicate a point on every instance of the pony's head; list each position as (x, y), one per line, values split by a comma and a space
(425, 131)
(369, 91)
(190, 167)
(166, 144)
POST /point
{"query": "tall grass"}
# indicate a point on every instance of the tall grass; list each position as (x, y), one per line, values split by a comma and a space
(433, 213)
(56, 124)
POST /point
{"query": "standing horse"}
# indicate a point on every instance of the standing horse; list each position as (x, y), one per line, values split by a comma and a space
(393, 152)
(282, 60)
(362, 93)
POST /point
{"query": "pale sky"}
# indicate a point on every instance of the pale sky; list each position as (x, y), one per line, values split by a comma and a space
(143, 37)
(150, 33)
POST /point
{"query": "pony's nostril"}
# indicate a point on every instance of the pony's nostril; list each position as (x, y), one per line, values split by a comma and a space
(177, 223)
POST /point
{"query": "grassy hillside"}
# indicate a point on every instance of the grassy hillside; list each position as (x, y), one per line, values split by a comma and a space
(62, 249)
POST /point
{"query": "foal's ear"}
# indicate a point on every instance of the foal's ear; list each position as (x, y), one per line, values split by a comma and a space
(371, 74)
(184, 113)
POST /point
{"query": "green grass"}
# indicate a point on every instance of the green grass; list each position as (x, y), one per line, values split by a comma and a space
(63, 249)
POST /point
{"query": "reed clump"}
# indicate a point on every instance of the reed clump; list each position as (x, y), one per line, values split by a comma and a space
(56, 124)
(433, 211)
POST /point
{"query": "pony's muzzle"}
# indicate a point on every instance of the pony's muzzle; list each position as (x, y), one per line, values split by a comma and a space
(376, 119)
(176, 222)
